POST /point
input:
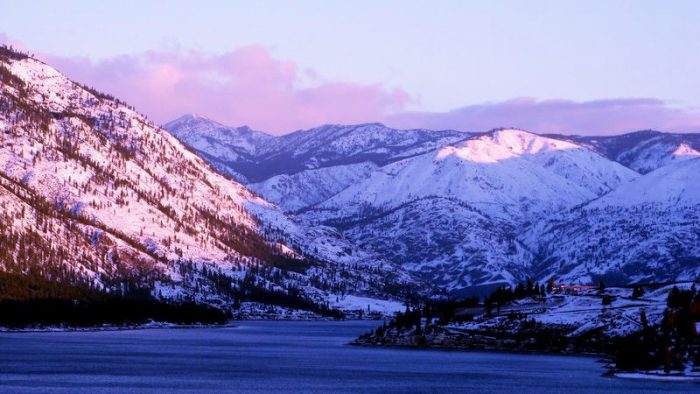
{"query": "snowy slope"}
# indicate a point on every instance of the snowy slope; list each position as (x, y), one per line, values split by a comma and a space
(310, 187)
(222, 145)
(644, 151)
(305, 167)
(461, 210)
(674, 185)
(110, 197)
(452, 216)
(650, 156)
(102, 160)
(446, 242)
(646, 230)
(262, 157)
(510, 174)
(332, 143)
(211, 136)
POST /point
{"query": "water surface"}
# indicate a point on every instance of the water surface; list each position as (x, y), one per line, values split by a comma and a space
(285, 357)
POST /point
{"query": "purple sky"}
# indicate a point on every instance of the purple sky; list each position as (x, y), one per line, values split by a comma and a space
(598, 67)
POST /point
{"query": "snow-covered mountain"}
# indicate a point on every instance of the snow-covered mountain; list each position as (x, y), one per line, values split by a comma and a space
(462, 210)
(647, 230)
(445, 241)
(334, 145)
(93, 192)
(644, 151)
(459, 209)
(310, 187)
(509, 174)
(452, 215)
(308, 166)
(221, 144)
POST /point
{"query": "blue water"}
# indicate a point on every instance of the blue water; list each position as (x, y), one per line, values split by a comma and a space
(282, 357)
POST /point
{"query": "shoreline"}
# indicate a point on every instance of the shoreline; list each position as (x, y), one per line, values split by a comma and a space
(599, 356)
(161, 325)
(147, 326)
(670, 378)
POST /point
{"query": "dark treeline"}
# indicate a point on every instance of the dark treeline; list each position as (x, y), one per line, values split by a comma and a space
(8, 52)
(35, 302)
(112, 310)
(292, 298)
(252, 290)
(21, 287)
(447, 310)
(443, 310)
(672, 345)
(505, 294)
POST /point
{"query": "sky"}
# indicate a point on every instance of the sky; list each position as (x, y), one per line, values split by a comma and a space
(573, 67)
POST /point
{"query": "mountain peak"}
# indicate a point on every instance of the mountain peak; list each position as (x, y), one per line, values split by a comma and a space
(505, 143)
(195, 117)
(355, 125)
(201, 124)
(192, 118)
(684, 150)
(511, 133)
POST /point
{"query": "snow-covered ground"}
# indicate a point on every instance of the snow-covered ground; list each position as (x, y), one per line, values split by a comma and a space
(107, 196)
(366, 304)
(661, 376)
(585, 310)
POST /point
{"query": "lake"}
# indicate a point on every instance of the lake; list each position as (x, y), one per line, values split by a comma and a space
(286, 357)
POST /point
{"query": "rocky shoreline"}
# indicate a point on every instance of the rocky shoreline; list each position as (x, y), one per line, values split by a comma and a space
(550, 340)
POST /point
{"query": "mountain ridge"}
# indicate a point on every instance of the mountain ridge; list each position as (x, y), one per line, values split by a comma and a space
(219, 214)
(578, 170)
(116, 203)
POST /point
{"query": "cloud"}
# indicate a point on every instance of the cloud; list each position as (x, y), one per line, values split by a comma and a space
(598, 117)
(245, 86)
(248, 86)
(7, 40)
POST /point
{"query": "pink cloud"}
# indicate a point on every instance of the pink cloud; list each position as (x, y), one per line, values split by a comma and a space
(248, 86)
(245, 86)
(8, 41)
(598, 117)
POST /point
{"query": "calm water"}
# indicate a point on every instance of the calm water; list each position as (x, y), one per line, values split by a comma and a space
(282, 356)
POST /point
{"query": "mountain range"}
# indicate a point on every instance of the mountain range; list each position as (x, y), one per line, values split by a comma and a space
(461, 210)
(350, 217)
